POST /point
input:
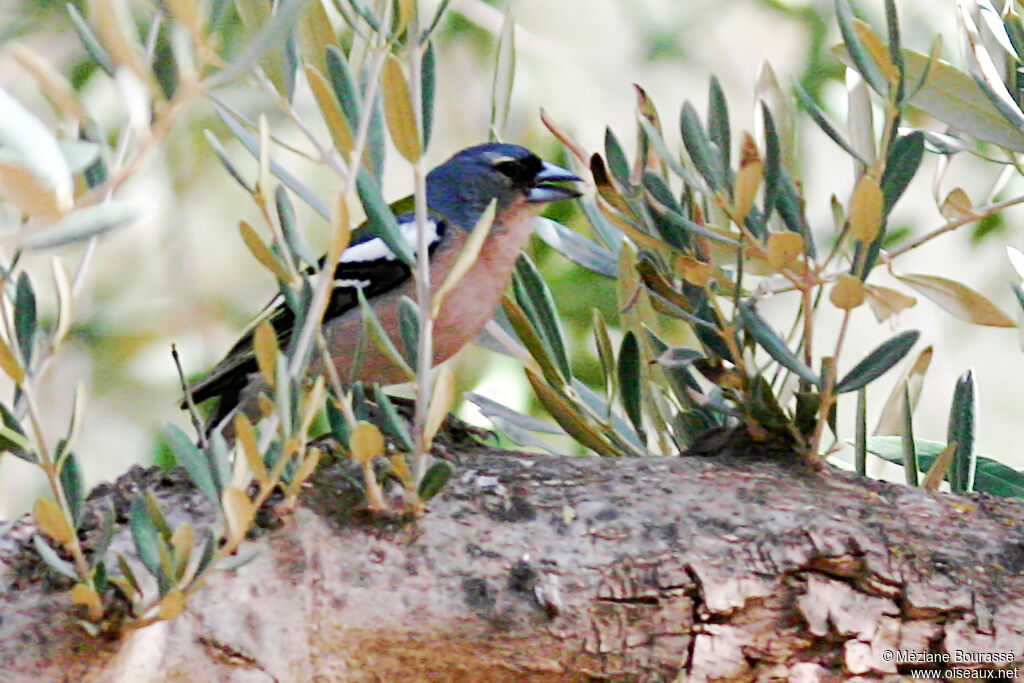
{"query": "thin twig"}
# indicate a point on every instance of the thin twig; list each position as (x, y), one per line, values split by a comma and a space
(197, 423)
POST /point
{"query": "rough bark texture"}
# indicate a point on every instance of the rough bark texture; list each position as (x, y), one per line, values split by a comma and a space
(531, 568)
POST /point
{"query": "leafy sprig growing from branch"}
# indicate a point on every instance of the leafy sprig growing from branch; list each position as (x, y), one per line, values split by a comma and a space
(702, 243)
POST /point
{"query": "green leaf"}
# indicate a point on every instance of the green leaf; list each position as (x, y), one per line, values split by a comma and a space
(272, 35)
(428, 87)
(83, 224)
(630, 381)
(772, 164)
(535, 298)
(698, 145)
(623, 434)
(233, 122)
(218, 149)
(718, 121)
(192, 459)
(826, 125)
(12, 436)
(372, 325)
(961, 430)
(339, 428)
(345, 87)
(858, 52)
(240, 558)
(574, 246)
(392, 422)
(147, 539)
(986, 74)
(954, 98)
(376, 137)
(52, 559)
(381, 220)
(289, 226)
(878, 362)
(492, 409)
(74, 489)
(991, 476)
(904, 158)
(25, 322)
(771, 342)
(409, 329)
(436, 476)
(504, 73)
(90, 41)
(907, 440)
(617, 162)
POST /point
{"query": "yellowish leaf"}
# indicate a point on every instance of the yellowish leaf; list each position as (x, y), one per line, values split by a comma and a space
(642, 239)
(958, 299)
(866, 205)
(238, 511)
(9, 364)
(398, 110)
(246, 436)
(313, 402)
(265, 405)
(879, 52)
(847, 292)
(337, 123)
(30, 193)
(182, 539)
(172, 605)
(341, 230)
(956, 204)
(563, 137)
(187, 14)
(53, 84)
(890, 421)
(693, 271)
(748, 179)
(366, 442)
(315, 34)
(264, 341)
(65, 299)
(405, 10)
(262, 253)
(440, 401)
(84, 594)
(52, 522)
(885, 302)
(466, 258)
(569, 417)
(783, 249)
(937, 472)
(306, 468)
(114, 27)
(400, 466)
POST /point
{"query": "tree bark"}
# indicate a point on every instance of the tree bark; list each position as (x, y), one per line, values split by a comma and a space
(536, 568)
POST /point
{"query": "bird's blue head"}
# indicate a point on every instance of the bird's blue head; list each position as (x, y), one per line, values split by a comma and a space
(461, 188)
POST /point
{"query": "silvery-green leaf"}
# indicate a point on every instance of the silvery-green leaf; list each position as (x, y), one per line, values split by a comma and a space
(83, 224)
(34, 147)
(272, 35)
(233, 122)
(576, 247)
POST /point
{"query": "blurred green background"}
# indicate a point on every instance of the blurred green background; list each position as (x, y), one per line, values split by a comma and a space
(183, 276)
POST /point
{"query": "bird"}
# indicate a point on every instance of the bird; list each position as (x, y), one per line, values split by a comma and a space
(458, 193)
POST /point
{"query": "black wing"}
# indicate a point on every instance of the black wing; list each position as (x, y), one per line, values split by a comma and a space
(377, 273)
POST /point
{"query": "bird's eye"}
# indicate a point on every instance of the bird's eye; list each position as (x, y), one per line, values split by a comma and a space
(508, 167)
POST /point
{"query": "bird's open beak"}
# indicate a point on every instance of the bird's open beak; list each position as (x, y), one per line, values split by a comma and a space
(542, 192)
